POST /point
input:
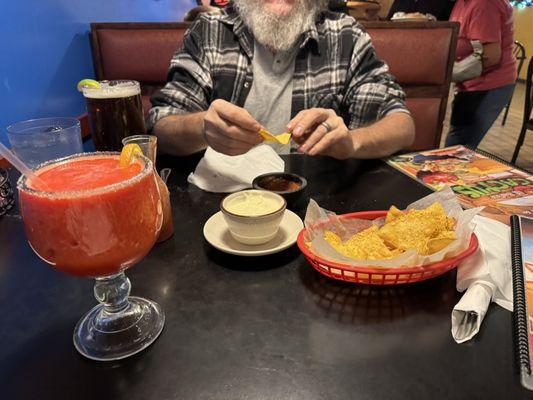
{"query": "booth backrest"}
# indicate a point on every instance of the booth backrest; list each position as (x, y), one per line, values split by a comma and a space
(420, 55)
(136, 50)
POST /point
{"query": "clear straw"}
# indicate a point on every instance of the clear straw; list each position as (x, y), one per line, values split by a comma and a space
(19, 164)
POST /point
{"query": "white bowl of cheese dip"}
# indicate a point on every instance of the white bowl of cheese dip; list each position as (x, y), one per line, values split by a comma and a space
(253, 216)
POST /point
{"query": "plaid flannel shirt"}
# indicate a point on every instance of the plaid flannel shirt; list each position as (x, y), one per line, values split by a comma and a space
(336, 67)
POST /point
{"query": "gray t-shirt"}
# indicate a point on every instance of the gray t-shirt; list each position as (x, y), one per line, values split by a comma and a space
(270, 98)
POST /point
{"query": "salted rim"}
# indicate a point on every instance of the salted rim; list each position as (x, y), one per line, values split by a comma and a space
(134, 138)
(22, 181)
(120, 89)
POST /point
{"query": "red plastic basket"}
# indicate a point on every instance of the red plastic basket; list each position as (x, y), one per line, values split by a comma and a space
(378, 275)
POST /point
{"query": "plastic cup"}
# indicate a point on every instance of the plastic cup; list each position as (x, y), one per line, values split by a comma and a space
(39, 140)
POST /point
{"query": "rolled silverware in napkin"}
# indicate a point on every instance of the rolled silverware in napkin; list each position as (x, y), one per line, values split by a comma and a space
(486, 276)
(468, 314)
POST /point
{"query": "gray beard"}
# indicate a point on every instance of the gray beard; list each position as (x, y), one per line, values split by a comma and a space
(279, 33)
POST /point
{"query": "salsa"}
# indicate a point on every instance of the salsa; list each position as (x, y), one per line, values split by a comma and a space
(279, 184)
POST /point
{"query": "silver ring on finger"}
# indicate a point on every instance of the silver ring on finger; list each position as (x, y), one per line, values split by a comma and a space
(326, 125)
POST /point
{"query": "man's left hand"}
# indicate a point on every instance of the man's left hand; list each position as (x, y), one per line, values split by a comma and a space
(321, 131)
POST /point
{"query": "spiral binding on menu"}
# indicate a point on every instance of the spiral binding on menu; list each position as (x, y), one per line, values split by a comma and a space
(520, 318)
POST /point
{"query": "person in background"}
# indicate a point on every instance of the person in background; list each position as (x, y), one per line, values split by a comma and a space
(283, 65)
(213, 3)
(485, 69)
(440, 9)
(204, 6)
(338, 6)
(195, 12)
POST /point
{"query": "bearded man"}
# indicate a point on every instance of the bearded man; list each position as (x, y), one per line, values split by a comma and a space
(283, 65)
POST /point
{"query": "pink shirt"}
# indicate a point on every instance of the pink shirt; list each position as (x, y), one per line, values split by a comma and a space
(489, 21)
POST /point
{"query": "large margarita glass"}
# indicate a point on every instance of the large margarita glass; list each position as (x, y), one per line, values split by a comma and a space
(88, 216)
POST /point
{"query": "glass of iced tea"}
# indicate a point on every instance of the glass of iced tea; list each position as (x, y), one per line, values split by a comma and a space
(88, 216)
(115, 111)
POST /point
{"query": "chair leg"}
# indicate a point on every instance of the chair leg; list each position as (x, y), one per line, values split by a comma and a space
(507, 107)
(519, 143)
(506, 112)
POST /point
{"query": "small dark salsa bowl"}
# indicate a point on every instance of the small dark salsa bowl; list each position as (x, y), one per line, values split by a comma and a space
(292, 187)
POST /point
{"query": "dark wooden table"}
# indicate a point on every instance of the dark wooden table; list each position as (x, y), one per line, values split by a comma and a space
(245, 328)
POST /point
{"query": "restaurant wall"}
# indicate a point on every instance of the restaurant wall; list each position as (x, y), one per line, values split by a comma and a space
(45, 50)
(523, 25)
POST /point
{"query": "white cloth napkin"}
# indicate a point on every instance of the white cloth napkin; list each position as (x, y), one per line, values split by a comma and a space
(219, 173)
(486, 276)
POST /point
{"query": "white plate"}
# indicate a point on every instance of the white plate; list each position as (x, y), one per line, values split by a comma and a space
(217, 234)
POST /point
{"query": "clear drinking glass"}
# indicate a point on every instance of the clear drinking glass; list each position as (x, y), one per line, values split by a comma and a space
(99, 232)
(115, 111)
(39, 140)
(148, 145)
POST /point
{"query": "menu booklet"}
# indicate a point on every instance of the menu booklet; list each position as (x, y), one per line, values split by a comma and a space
(477, 178)
(522, 263)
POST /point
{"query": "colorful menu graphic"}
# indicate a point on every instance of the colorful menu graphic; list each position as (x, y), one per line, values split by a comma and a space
(476, 179)
(526, 240)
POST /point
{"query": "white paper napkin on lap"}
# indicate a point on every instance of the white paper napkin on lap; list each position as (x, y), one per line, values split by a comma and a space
(219, 173)
(486, 276)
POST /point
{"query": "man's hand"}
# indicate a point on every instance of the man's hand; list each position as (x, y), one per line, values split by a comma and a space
(230, 129)
(393, 132)
(321, 131)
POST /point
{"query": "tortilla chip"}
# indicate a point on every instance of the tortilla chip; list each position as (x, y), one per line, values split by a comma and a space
(416, 227)
(428, 231)
(393, 214)
(440, 242)
(333, 239)
(365, 245)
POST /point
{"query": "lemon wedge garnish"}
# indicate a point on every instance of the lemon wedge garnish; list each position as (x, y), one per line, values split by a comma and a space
(128, 152)
(87, 83)
(282, 138)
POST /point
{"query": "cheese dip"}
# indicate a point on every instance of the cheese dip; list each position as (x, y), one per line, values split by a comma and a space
(253, 203)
